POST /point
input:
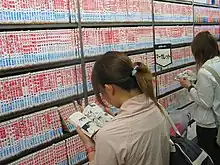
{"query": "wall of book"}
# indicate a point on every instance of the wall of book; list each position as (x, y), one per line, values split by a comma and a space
(48, 49)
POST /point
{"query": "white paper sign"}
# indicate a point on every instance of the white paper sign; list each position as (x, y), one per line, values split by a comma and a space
(163, 57)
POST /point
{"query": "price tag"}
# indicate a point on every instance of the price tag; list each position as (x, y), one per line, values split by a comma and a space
(163, 55)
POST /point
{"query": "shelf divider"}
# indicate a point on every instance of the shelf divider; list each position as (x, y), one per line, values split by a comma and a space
(38, 108)
(37, 67)
(205, 5)
(176, 1)
(174, 68)
(49, 26)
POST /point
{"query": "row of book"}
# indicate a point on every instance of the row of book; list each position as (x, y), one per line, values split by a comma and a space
(166, 82)
(100, 40)
(65, 11)
(67, 152)
(32, 89)
(32, 130)
(172, 12)
(204, 14)
(175, 100)
(173, 34)
(181, 34)
(115, 11)
(29, 131)
(214, 30)
(35, 11)
(19, 49)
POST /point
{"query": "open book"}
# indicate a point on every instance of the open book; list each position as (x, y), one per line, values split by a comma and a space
(91, 119)
(188, 74)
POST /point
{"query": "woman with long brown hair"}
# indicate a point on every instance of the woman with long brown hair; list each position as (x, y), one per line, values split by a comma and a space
(139, 134)
(206, 93)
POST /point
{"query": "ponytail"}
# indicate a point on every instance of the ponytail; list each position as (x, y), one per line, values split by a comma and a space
(144, 80)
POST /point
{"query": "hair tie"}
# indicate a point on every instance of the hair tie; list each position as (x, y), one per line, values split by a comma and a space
(134, 71)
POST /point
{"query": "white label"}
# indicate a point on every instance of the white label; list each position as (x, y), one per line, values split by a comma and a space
(163, 57)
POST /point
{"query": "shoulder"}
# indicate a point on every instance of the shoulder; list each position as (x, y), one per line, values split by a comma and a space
(205, 75)
(112, 130)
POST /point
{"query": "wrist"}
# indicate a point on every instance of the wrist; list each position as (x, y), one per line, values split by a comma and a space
(90, 149)
(190, 87)
(90, 153)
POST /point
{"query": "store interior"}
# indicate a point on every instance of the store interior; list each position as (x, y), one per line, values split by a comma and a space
(47, 53)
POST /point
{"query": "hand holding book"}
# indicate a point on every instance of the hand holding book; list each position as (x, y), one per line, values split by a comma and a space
(90, 120)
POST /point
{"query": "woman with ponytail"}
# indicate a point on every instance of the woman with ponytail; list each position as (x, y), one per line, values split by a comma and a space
(139, 134)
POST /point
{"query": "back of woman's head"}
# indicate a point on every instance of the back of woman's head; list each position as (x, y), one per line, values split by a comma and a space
(204, 47)
(115, 68)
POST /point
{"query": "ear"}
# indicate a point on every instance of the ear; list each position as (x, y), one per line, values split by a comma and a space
(109, 89)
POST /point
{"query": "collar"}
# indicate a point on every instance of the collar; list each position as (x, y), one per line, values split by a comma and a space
(137, 104)
(212, 61)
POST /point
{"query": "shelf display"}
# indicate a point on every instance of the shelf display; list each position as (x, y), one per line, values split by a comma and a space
(42, 11)
(25, 48)
(48, 52)
(172, 12)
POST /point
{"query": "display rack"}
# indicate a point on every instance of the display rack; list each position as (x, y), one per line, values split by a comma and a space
(83, 60)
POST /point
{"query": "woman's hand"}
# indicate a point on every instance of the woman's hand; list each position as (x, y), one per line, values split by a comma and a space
(86, 140)
(185, 82)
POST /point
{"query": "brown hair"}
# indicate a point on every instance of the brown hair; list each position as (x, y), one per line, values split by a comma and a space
(116, 68)
(204, 47)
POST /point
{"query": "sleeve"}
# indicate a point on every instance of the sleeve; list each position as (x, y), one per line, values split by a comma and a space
(105, 154)
(204, 93)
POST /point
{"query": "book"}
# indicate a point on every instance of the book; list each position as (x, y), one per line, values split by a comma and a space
(188, 74)
(91, 119)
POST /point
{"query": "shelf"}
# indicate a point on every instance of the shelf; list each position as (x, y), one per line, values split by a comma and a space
(91, 59)
(205, 5)
(174, 68)
(83, 162)
(114, 24)
(22, 27)
(37, 67)
(173, 23)
(168, 93)
(180, 45)
(182, 107)
(176, 1)
(37, 148)
(206, 23)
(38, 108)
(128, 53)
(140, 51)
(90, 93)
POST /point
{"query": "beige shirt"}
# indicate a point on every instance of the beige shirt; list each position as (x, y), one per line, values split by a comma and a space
(138, 135)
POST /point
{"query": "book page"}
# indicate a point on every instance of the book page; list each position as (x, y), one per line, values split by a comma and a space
(97, 115)
(188, 74)
(87, 125)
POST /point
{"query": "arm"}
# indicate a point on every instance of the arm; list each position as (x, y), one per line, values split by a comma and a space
(105, 154)
(204, 92)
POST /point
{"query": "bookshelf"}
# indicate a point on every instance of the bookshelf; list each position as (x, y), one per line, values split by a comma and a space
(70, 30)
